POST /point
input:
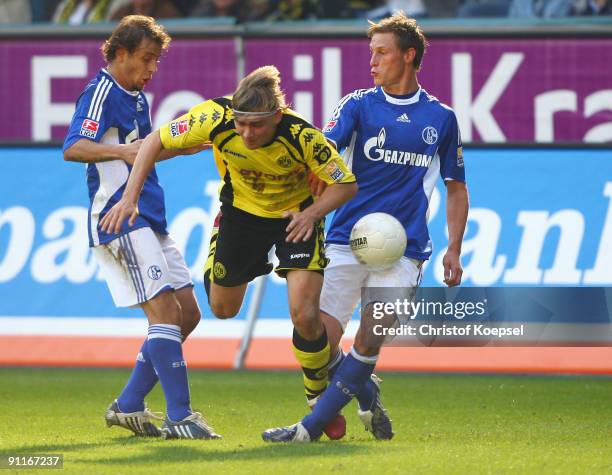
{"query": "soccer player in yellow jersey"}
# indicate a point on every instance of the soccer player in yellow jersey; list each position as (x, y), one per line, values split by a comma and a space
(264, 152)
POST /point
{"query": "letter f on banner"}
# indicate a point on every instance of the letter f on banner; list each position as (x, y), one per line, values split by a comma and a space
(478, 110)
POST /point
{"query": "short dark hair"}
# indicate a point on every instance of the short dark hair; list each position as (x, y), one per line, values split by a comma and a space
(132, 29)
(408, 34)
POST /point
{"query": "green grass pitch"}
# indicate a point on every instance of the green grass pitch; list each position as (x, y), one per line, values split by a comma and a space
(443, 424)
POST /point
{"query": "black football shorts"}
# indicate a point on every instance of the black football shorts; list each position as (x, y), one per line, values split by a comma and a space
(241, 242)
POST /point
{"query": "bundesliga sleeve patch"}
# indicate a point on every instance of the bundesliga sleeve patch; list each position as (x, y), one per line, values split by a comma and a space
(179, 128)
(334, 171)
(330, 125)
(89, 128)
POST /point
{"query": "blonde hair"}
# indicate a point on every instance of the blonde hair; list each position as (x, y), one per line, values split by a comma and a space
(260, 91)
(408, 34)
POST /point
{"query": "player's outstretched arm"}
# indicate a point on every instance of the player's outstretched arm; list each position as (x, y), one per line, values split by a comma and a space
(127, 206)
(457, 206)
(171, 153)
(88, 151)
(302, 222)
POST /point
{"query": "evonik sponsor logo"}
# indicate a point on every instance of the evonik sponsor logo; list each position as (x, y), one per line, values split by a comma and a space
(374, 150)
(248, 173)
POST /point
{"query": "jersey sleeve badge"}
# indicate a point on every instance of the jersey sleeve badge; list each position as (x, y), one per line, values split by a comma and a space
(179, 127)
(460, 156)
(334, 171)
(89, 128)
(329, 126)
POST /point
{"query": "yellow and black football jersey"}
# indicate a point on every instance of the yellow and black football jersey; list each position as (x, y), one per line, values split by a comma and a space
(266, 181)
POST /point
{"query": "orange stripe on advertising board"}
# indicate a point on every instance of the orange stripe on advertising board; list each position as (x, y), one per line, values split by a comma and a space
(275, 353)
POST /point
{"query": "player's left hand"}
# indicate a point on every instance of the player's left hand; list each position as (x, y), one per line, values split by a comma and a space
(112, 221)
(452, 268)
(300, 227)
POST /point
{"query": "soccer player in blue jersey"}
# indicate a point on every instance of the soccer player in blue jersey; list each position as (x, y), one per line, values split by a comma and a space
(398, 139)
(141, 263)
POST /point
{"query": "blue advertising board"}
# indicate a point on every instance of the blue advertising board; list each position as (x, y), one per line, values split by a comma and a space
(537, 218)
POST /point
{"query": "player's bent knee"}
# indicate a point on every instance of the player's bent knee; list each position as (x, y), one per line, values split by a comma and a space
(224, 315)
(307, 322)
(222, 311)
(304, 313)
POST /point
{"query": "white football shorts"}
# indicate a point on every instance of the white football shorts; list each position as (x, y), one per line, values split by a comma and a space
(140, 265)
(345, 276)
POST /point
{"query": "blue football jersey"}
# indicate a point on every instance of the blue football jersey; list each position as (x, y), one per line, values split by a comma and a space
(107, 113)
(397, 148)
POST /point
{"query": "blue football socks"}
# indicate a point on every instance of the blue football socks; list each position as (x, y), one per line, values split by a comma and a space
(166, 354)
(141, 382)
(366, 396)
(348, 381)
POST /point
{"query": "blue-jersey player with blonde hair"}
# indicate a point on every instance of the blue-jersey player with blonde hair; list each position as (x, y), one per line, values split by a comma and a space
(398, 140)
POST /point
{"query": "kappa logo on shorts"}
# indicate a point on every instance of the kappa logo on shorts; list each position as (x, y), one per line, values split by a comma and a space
(219, 270)
(154, 273)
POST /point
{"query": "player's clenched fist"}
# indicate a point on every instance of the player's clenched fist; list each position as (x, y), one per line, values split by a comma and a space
(129, 151)
(452, 268)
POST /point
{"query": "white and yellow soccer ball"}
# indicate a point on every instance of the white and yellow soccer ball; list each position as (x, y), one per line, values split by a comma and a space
(378, 240)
